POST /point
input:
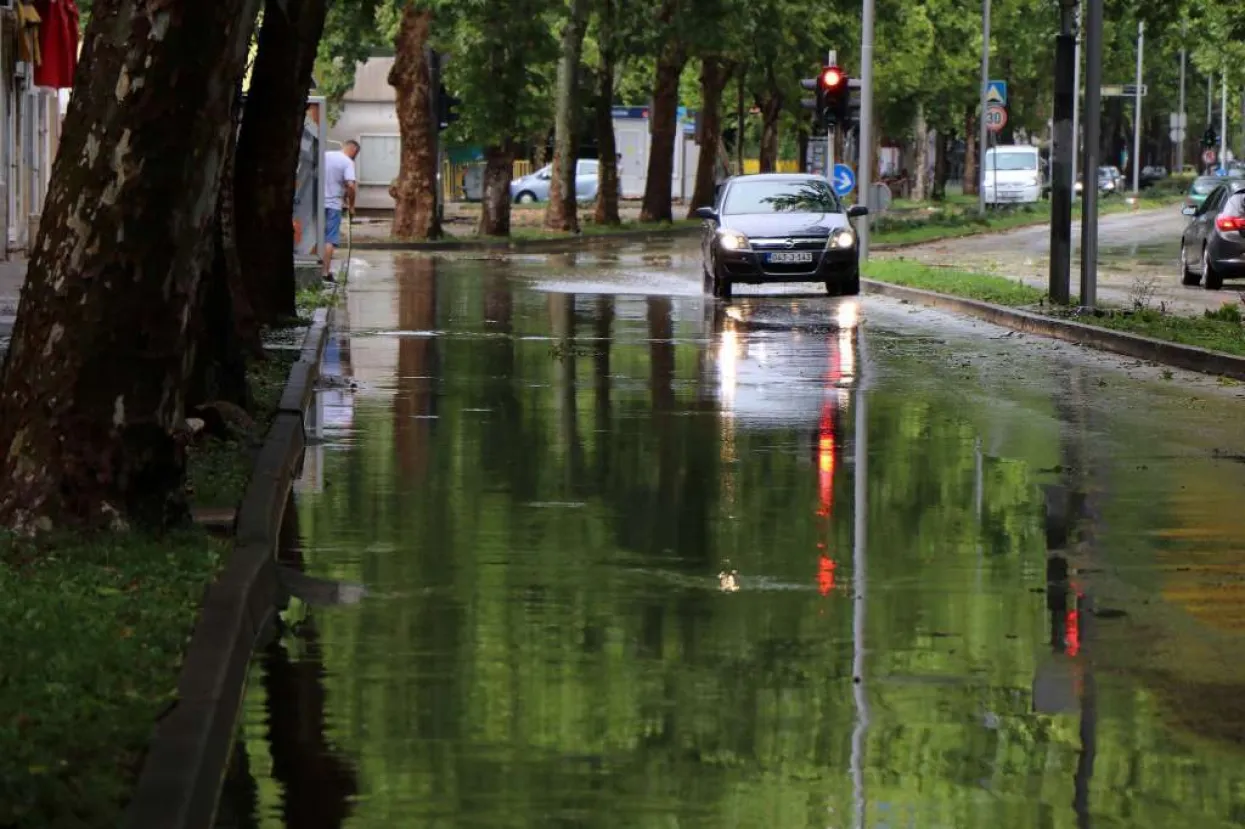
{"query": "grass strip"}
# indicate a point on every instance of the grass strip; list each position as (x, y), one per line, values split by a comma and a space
(1219, 330)
(95, 630)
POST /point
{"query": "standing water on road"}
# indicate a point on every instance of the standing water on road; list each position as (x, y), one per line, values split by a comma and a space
(980, 582)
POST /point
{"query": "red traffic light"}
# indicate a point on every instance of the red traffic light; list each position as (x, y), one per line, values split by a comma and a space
(832, 77)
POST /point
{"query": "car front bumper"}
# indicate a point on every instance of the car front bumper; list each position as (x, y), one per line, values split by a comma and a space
(750, 267)
(1013, 194)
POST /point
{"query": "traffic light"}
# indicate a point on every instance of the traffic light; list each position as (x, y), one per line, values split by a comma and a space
(1210, 138)
(446, 103)
(832, 96)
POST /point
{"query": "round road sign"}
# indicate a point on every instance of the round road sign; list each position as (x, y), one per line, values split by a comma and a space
(996, 118)
(1208, 157)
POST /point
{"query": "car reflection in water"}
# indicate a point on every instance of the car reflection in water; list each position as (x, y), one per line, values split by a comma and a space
(778, 365)
(786, 367)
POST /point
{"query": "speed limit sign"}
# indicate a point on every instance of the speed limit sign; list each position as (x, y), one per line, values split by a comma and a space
(996, 118)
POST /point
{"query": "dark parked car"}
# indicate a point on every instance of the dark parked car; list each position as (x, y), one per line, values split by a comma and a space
(1212, 248)
(778, 227)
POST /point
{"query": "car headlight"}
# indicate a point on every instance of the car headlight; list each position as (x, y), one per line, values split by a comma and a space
(1035, 181)
(734, 240)
(840, 239)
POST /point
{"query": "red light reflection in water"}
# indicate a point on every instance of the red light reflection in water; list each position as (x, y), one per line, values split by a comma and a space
(825, 470)
(825, 575)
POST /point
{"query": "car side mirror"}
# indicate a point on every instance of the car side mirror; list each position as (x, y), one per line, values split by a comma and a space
(857, 210)
(1189, 210)
(707, 213)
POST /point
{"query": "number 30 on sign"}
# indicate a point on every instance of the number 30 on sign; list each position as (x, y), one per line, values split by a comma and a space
(996, 118)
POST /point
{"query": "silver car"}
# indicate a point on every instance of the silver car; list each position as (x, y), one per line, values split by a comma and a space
(535, 186)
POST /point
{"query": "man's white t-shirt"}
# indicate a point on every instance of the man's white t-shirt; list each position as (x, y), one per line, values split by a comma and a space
(338, 169)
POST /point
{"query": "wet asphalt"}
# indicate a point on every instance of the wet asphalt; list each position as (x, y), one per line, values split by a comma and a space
(617, 554)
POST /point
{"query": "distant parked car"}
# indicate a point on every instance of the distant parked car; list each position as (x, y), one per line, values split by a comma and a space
(1212, 248)
(1201, 187)
(534, 187)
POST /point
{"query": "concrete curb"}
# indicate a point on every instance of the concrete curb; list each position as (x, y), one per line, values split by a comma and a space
(1191, 358)
(570, 243)
(182, 775)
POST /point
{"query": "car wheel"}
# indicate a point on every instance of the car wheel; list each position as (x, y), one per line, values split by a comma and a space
(848, 285)
(526, 197)
(1212, 280)
(1187, 275)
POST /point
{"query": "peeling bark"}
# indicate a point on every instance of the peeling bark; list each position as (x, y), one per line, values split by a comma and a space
(920, 187)
(219, 371)
(714, 74)
(606, 212)
(971, 178)
(562, 212)
(940, 166)
(495, 207)
(663, 124)
(415, 191)
(267, 157)
(92, 393)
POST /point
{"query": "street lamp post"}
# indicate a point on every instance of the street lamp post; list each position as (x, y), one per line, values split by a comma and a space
(985, 83)
(1141, 42)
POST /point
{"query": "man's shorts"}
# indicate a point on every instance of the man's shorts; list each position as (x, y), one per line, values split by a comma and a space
(332, 226)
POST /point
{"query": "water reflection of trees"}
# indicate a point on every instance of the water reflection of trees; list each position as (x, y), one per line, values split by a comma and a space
(524, 674)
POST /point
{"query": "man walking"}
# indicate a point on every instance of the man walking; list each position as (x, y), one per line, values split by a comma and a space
(339, 192)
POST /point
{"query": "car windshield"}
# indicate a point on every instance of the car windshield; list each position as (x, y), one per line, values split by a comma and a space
(1012, 161)
(1202, 186)
(809, 196)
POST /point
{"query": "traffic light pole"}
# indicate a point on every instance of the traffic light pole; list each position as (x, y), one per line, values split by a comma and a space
(1223, 120)
(865, 175)
(985, 82)
(831, 60)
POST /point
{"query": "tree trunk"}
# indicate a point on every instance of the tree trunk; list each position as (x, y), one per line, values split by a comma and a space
(920, 187)
(93, 384)
(713, 77)
(663, 125)
(971, 179)
(495, 207)
(607, 193)
(219, 371)
(562, 213)
(741, 123)
(415, 191)
(940, 166)
(268, 147)
(771, 109)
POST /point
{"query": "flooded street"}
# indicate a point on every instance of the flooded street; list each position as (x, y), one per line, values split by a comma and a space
(610, 554)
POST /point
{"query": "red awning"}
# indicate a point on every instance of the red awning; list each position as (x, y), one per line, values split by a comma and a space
(58, 41)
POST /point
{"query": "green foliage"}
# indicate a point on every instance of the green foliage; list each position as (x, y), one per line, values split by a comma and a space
(503, 68)
(984, 287)
(94, 635)
(354, 30)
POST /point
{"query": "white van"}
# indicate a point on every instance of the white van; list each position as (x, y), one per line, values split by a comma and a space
(1012, 174)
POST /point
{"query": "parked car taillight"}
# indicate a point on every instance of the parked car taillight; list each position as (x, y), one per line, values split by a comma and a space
(1228, 223)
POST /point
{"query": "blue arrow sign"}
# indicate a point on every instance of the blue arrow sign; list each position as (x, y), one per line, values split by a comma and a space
(844, 180)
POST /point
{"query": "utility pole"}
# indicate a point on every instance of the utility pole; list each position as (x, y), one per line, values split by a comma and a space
(865, 176)
(985, 83)
(1181, 119)
(1076, 96)
(1089, 158)
(1141, 42)
(1223, 119)
(1062, 154)
(1210, 81)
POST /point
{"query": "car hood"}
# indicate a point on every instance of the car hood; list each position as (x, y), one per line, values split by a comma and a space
(762, 225)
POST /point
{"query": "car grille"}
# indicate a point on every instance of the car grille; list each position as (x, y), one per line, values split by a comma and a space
(798, 243)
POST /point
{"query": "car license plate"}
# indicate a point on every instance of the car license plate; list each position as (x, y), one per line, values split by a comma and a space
(789, 257)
